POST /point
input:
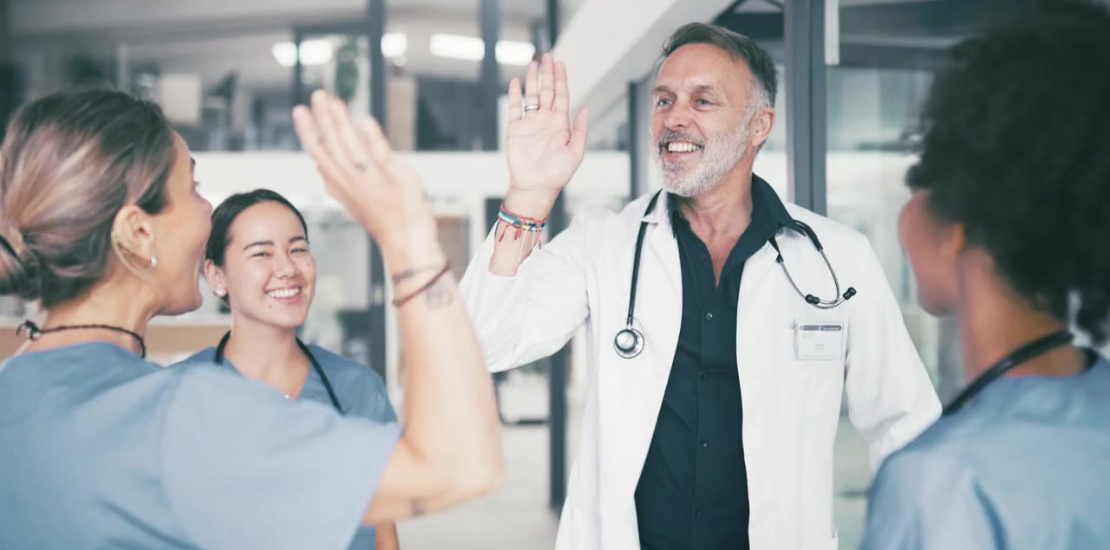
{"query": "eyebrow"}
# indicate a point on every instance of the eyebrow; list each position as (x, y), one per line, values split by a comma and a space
(697, 89)
(298, 238)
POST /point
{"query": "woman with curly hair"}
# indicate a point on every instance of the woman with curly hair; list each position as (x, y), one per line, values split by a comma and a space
(1007, 231)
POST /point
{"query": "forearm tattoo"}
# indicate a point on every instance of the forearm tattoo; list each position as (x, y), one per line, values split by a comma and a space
(439, 295)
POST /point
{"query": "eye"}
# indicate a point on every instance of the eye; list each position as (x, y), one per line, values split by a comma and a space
(662, 102)
(703, 102)
(300, 250)
(261, 255)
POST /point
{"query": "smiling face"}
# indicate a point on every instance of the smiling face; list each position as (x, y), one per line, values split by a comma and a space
(705, 108)
(269, 274)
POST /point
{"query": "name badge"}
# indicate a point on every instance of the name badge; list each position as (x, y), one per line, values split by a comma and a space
(819, 341)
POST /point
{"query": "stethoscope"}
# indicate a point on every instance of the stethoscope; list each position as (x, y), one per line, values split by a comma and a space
(1025, 353)
(311, 359)
(629, 342)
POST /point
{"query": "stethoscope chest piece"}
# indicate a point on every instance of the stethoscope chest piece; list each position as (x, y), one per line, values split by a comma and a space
(629, 342)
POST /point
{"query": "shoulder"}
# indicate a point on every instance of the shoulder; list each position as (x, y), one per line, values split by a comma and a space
(829, 230)
(360, 389)
(347, 370)
(204, 356)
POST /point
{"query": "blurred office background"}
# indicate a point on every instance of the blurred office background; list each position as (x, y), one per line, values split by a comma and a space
(853, 73)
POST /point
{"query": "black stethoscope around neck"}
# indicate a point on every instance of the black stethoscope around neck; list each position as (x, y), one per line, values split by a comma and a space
(311, 359)
(629, 341)
(1025, 353)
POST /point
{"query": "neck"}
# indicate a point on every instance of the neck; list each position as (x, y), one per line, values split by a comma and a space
(725, 209)
(264, 352)
(997, 322)
(101, 306)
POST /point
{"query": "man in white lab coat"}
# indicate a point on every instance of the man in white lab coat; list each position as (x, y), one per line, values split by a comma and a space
(710, 420)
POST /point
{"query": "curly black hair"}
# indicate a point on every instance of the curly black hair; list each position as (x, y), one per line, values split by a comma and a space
(1017, 150)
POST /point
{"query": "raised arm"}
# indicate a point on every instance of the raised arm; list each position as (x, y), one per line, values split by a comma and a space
(543, 151)
(450, 450)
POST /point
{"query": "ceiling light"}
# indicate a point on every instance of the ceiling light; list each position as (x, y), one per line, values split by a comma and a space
(468, 48)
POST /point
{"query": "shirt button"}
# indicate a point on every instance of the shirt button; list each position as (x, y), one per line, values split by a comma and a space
(703, 257)
(704, 376)
(698, 512)
(705, 444)
(709, 316)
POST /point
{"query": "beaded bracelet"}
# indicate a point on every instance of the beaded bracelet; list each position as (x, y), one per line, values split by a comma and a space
(521, 223)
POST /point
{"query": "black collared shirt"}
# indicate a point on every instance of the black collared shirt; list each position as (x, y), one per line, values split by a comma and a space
(693, 492)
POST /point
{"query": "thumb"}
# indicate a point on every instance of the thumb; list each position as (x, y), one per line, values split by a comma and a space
(579, 131)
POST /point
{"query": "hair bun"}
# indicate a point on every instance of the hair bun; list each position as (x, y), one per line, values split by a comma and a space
(16, 269)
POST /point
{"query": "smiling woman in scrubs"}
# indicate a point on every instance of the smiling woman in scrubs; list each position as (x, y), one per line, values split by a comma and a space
(258, 259)
(101, 222)
(1007, 230)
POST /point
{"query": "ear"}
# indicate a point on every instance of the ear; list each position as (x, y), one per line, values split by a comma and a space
(133, 238)
(216, 278)
(953, 240)
(762, 124)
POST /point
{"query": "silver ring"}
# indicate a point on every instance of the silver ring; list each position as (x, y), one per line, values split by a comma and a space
(531, 107)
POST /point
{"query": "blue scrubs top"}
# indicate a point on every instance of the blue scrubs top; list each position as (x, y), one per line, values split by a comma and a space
(359, 390)
(1025, 465)
(101, 449)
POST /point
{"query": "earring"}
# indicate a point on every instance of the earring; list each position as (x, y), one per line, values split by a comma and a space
(153, 262)
(219, 292)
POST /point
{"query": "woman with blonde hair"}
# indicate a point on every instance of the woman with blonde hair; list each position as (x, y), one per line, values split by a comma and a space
(100, 221)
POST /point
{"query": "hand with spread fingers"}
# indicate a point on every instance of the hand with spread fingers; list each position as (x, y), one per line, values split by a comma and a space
(361, 171)
(543, 149)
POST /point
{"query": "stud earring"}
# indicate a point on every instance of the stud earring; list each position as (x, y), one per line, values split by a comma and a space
(219, 292)
(153, 262)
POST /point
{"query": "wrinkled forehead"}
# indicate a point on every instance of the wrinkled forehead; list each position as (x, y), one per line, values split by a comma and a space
(698, 67)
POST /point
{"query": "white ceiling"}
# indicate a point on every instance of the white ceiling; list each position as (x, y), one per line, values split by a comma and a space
(214, 37)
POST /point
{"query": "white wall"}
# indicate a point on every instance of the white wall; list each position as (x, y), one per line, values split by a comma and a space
(633, 31)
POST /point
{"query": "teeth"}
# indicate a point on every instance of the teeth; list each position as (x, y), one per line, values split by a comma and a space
(682, 147)
(284, 293)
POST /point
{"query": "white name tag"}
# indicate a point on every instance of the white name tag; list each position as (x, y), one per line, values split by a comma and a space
(818, 341)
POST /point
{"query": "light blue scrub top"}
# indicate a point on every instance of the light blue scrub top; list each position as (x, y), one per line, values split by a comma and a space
(1025, 465)
(100, 449)
(359, 390)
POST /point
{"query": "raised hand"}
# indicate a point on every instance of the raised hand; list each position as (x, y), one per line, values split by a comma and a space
(362, 173)
(543, 149)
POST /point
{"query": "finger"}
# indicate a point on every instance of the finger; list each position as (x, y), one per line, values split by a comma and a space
(579, 133)
(329, 135)
(353, 145)
(547, 81)
(380, 151)
(514, 100)
(531, 85)
(562, 95)
(310, 137)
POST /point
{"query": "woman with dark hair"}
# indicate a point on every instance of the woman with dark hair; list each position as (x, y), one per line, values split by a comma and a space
(100, 221)
(1007, 231)
(258, 261)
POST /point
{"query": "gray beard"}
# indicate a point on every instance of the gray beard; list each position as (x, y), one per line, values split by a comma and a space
(719, 156)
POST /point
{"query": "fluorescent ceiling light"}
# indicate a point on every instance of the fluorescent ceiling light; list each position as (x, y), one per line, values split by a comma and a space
(320, 51)
(313, 52)
(394, 44)
(468, 48)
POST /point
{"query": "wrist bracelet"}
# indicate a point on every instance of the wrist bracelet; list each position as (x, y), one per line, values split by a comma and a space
(398, 302)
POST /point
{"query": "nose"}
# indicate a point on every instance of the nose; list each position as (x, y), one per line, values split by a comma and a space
(677, 117)
(284, 267)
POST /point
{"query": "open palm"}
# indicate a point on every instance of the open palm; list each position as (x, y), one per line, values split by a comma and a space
(543, 149)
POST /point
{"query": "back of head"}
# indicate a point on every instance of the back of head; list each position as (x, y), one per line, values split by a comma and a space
(1017, 151)
(68, 163)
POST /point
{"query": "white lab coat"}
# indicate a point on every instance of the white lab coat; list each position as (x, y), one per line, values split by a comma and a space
(791, 407)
